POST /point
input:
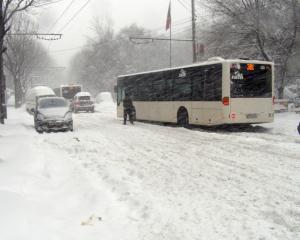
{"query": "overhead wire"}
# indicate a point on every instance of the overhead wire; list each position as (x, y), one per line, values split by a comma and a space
(183, 5)
(174, 26)
(61, 15)
(74, 16)
(48, 3)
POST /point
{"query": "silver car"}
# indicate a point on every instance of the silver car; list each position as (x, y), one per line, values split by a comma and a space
(52, 114)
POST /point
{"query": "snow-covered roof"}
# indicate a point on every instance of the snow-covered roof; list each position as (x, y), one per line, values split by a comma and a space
(83, 94)
(213, 60)
(42, 90)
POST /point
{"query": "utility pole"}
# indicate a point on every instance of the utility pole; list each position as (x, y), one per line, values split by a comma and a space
(194, 31)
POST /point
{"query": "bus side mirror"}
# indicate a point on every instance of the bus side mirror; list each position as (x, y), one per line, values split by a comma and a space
(115, 89)
(32, 110)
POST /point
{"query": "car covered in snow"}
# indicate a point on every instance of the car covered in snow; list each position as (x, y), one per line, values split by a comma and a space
(82, 102)
(34, 94)
(52, 114)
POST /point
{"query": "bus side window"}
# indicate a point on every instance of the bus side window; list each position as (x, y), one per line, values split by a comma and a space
(213, 83)
(144, 89)
(169, 89)
(167, 86)
(159, 86)
(198, 80)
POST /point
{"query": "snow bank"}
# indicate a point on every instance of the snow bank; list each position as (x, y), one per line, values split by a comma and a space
(11, 101)
(105, 103)
(104, 97)
(285, 124)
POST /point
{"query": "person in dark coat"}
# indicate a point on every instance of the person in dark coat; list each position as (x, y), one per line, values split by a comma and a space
(299, 128)
(128, 108)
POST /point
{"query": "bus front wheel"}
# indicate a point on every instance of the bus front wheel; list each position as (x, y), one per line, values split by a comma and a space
(183, 118)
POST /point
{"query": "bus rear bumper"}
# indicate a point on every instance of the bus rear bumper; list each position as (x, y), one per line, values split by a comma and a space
(250, 118)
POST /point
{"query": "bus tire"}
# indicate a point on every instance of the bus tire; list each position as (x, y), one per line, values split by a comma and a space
(183, 117)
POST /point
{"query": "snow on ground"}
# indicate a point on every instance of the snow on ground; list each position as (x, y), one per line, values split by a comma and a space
(109, 181)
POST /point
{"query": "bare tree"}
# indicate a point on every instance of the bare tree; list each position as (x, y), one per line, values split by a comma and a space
(23, 56)
(267, 29)
(8, 8)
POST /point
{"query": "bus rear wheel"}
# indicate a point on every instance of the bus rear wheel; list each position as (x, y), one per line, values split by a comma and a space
(183, 118)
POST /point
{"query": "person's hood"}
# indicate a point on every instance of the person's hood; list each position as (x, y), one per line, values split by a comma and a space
(58, 112)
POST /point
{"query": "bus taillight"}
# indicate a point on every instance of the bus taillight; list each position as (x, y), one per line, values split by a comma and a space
(226, 101)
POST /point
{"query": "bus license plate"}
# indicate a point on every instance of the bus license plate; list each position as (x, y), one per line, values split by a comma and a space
(251, 116)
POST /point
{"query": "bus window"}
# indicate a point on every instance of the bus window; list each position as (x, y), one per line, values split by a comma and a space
(169, 88)
(145, 88)
(251, 80)
(159, 87)
(68, 92)
(198, 80)
(182, 88)
(213, 83)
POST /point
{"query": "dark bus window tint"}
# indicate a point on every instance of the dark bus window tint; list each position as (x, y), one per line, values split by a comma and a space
(207, 83)
(251, 80)
(198, 80)
(129, 86)
(70, 92)
(182, 88)
(159, 87)
(213, 83)
(203, 83)
(169, 88)
(144, 88)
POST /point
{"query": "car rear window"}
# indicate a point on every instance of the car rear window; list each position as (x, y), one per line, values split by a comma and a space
(85, 98)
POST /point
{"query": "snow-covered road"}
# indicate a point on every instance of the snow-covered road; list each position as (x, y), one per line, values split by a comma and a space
(148, 181)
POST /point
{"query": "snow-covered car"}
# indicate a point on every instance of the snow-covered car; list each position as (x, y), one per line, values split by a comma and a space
(52, 114)
(82, 102)
(34, 94)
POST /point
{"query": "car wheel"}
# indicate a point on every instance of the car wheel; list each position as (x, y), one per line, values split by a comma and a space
(38, 129)
(183, 118)
(71, 128)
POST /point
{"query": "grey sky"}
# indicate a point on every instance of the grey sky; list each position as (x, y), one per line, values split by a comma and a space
(150, 14)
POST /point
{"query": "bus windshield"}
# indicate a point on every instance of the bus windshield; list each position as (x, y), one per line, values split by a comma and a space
(68, 92)
(250, 80)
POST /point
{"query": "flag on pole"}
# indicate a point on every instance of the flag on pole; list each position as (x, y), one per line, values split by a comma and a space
(168, 23)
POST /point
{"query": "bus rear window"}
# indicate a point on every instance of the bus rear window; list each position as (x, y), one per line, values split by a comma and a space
(250, 80)
(70, 92)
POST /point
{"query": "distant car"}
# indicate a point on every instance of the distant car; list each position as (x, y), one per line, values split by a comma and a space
(82, 102)
(34, 94)
(52, 114)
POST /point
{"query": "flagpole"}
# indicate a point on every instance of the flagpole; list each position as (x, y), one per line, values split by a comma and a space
(171, 45)
(170, 37)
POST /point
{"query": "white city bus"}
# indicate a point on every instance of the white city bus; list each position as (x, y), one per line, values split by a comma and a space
(214, 92)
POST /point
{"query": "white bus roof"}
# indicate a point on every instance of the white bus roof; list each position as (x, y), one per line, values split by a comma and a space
(213, 60)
